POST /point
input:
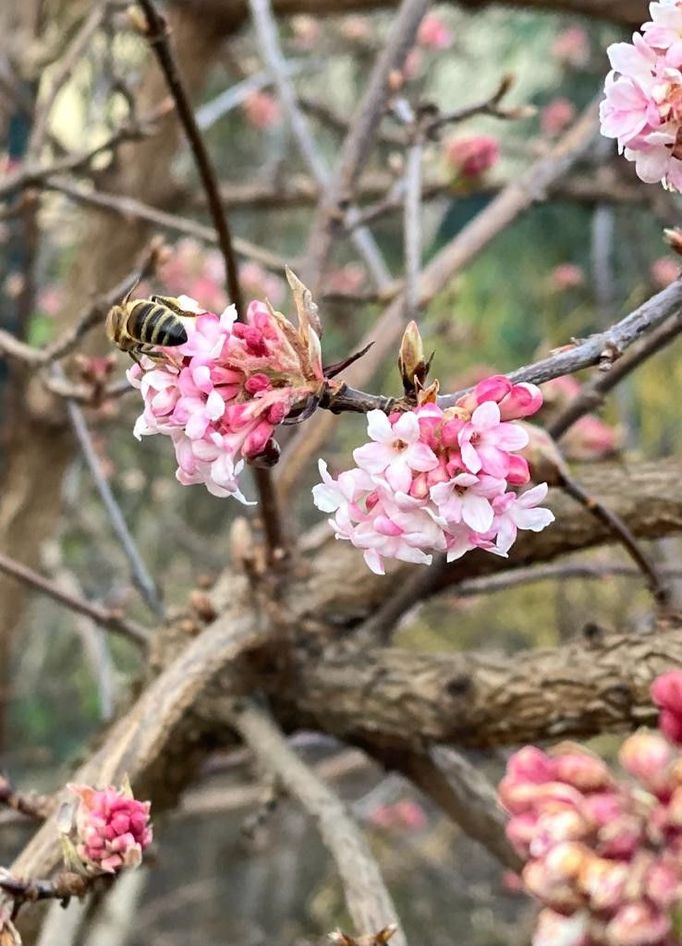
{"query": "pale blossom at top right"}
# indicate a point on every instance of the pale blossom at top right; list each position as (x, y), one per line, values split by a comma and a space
(642, 107)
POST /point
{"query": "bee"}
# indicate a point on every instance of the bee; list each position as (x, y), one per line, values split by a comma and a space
(140, 325)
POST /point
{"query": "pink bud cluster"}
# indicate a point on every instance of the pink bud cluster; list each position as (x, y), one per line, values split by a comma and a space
(434, 480)
(642, 107)
(603, 854)
(112, 828)
(220, 395)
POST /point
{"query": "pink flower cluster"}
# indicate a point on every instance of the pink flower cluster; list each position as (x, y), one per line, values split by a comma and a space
(642, 107)
(112, 828)
(603, 854)
(434, 480)
(220, 395)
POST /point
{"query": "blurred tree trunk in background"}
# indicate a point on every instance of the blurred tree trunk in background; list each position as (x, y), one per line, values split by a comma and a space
(38, 445)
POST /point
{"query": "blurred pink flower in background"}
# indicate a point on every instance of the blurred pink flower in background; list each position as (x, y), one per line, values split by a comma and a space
(306, 30)
(413, 64)
(473, 156)
(256, 281)
(349, 278)
(197, 271)
(590, 438)
(603, 854)
(356, 28)
(556, 116)
(434, 33)
(261, 110)
(50, 299)
(664, 271)
(112, 828)
(571, 47)
(566, 276)
(404, 815)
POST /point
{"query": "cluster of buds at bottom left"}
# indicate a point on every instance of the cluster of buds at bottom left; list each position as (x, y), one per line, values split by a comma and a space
(220, 395)
(603, 852)
(105, 830)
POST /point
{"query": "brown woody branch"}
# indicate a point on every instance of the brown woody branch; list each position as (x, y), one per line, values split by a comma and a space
(464, 794)
(158, 37)
(369, 902)
(129, 208)
(368, 698)
(360, 137)
(593, 395)
(29, 804)
(111, 620)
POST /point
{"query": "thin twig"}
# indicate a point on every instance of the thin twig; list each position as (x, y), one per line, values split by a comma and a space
(621, 531)
(487, 106)
(488, 584)
(141, 577)
(465, 795)
(412, 226)
(132, 209)
(597, 349)
(207, 115)
(29, 804)
(362, 132)
(369, 903)
(111, 620)
(63, 886)
(268, 40)
(158, 37)
(592, 396)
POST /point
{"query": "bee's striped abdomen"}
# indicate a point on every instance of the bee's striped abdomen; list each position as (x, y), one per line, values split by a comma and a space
(155, 324)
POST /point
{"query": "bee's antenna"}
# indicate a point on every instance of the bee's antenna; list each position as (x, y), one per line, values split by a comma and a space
(131, 290)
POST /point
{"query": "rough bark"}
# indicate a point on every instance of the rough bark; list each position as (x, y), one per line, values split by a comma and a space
(382, 698)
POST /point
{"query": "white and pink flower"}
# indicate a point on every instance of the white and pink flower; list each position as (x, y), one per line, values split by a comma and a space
(433, 480)
(221, 394)
(642, 107)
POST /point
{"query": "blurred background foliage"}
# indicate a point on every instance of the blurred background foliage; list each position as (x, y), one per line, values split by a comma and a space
(535, 287)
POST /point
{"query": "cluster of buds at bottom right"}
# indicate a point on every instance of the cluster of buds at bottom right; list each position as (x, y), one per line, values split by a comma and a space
(603, 852)
(105, 831)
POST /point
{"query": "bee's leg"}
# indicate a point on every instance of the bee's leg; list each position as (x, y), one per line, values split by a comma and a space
(137, 361)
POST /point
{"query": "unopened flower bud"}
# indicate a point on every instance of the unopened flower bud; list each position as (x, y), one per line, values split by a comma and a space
(638, 924)
(411, 362)
(647, 755)
(112, 828)
(581, 769)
